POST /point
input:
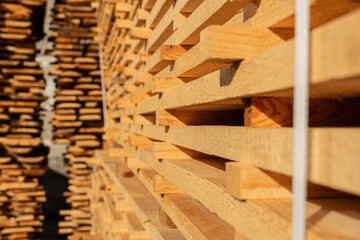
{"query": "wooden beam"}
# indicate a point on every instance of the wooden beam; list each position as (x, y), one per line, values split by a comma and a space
(278, 112)
(163, 30)
(163, 150)
(122, 205)
(133, 162)
(119, 152)
(245, 181)
(134, 192)
(211, 13)
(271, 149)
(172, 52)
(162, 84)
(162, 185)
(135, 227)
(144, 119)
(123, 23)
(277, 79)
(194, 220)
(140, 33)
(140, 141)
(142, 14)
(138, 97)
(210, 191)
(222, 45)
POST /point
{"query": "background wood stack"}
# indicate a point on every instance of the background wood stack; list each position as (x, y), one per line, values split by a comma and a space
(22, 155)
(78, 109)
(199, 133)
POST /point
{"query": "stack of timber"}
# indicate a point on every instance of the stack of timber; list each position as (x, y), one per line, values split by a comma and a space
(22, 155)
(199, 134)
(78, 109)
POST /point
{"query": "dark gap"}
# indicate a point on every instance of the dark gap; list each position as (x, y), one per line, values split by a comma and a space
(213, 117)
(54, 203)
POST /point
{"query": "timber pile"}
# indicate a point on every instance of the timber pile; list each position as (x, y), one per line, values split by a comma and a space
(199, 137)
(22, 155)
(78, 108)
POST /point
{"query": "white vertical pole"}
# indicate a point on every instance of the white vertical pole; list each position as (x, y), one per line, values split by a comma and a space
(301, 104)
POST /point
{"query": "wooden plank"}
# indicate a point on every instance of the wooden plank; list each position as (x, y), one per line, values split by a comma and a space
(194, 220)
(164, 150)
(138, 97)
(210, 13)
(149, 4)
(119, 152)
(271, 149)
(123, 7)
(123, 23)
(209, 190)
(162, 30)
(143, 204)
(276, 78)
(186, 6)
(172, 52)
(144, 119)
(7, 231)
(140, 141)
(162, 185)
(140, 33)
(163, 84)
(245, 182)
(133, 162)
(135, 227)
(278, 112)
(221, 45)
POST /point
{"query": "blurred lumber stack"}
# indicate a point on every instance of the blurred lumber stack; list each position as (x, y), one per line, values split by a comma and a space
(78, 93)
(199, 136)
(22, 155)
(76, 222)
(78, 108)
(109, 209)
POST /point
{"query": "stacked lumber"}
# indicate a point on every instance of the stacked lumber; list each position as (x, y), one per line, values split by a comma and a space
(78, 91)
(22, 155)
(78, 108)
(76, 223)
(113, 214)
(199, 135)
